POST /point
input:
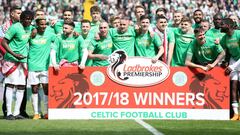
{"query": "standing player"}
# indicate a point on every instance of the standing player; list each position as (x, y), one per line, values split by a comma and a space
(68, 48)
(15, 13)
(177, 18)
(145, 45)
(15, 62)
(123, 37)
(87, 36)
(99, 50)
(231, 43)
(215, 32)
(96, 16)
(167, 36)
(183, 38)
(198, 17)
(67, 17)
(205, 25)
(38, 63)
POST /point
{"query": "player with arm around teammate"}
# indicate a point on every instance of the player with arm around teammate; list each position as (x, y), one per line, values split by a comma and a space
(38, 63)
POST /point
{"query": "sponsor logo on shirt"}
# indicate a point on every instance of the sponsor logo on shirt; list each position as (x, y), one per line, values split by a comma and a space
(25, 36)
(68, 46)
(40, 41)
(136, 71)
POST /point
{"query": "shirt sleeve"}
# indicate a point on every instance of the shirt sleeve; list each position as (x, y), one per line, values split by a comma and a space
(10, 32)
(190, 50)
(91, 45)
(56, 44)
(223, 42)
(218, 48)
(156, 40)
(171, 38)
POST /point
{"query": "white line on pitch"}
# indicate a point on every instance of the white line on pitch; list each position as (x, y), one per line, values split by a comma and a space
(148, 127)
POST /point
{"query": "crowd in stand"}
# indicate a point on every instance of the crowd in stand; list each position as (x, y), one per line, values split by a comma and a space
(53, 8)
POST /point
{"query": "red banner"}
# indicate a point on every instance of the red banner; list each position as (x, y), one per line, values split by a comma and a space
(185, 88)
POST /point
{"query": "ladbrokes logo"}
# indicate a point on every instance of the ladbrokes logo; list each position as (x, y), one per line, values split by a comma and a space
(136, 71)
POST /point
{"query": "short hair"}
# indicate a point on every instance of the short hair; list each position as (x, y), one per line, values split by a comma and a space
(103, 21)
(198, 10)
(26, 14)
(205, 20)
(39, 19)
(218, 14)
(161, 17)
(230, 22)
(13, 8)
(71, 23)
(161, 9)
(95, 9)
(85, 21)
(113, 18)
(177, 11)
(186, 19)
(144, 17)
(68, 9)
(125, 18)
(198, 30)
(39, 10)
(139, 6)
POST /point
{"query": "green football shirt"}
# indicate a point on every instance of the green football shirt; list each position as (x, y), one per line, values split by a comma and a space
(147, 46)
(206, 53)
(124, 41)
(18, 37)
(69, 48)
(232, 44)
(102, 46)
(182, 42)
(39, 51)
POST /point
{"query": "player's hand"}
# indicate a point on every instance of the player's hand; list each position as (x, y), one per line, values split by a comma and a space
(209, 66)
(56, 67)
(76, 34)
(137, 27)
(34, 33)
(154, 60)
(53, 22)
(204, 68)
(19, 56)
(228, 70)
(81, 67)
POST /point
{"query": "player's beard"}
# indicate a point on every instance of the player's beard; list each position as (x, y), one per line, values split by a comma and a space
(224, 29)
(198, 20)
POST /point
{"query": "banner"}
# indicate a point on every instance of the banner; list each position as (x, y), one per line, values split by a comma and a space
(180, 93)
